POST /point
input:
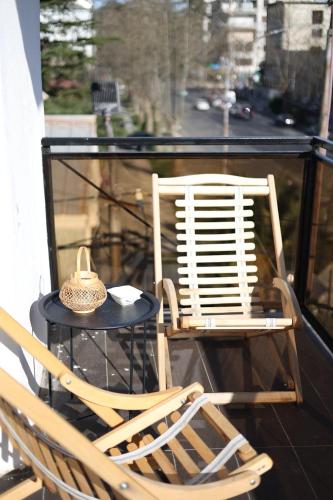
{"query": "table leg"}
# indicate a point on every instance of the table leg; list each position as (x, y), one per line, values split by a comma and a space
(50, 328)
(144, 357)
(131, 360)
(71, 360)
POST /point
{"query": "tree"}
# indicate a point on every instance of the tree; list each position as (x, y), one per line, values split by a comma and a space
(153, 44)
(67, 56)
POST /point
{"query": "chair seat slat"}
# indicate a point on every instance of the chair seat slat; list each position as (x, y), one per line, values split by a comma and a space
(143, 464)
(223, 247)
(221, 300)
(215, 214)
(216, 258)
(247, 235)
(229, 290)
(180, 453)
(205, 226)
(163, 461)
(216, 270)
(246, 202)
(220, 280)
(225, 310)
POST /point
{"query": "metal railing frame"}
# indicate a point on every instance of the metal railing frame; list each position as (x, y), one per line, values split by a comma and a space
(303, 147)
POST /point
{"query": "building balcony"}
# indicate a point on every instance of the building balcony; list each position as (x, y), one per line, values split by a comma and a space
(102, 199)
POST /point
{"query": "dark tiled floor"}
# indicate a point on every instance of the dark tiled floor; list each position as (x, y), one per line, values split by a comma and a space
(298, 438)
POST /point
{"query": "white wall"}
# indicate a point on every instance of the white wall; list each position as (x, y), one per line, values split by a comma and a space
(24, 267)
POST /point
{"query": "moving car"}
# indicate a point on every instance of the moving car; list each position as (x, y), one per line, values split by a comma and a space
(243, 111)
(285, 120)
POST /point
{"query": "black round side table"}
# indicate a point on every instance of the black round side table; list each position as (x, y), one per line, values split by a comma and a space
(110, 316)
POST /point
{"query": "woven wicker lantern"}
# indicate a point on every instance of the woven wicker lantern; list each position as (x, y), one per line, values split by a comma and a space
(83, 292)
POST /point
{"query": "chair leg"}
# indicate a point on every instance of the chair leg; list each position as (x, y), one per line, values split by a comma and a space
(286, 377)
(294, 365)
(168, 364)
(161, 361)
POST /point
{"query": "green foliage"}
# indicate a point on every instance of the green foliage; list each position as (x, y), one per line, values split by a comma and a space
(65, 63)
(69, 102)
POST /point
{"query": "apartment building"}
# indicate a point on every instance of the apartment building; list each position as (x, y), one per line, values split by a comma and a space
(243, 24)
(295, 48)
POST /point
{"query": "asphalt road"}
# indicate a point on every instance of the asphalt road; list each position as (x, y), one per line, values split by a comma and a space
(210, 124)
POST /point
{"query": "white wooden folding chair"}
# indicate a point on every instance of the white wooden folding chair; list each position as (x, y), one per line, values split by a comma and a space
(218, 275)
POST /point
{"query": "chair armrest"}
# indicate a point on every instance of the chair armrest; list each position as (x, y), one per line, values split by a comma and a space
(137, 424)
(170, 291)
(292, 305)
(114, 400)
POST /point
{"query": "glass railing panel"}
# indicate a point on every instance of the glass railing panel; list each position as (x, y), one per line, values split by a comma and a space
(120, 234)
(320, 273)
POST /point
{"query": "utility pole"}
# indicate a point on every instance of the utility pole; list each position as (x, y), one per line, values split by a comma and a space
(226, 106)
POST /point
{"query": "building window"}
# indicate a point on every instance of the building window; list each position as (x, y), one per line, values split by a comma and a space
(317, 16)
(317, 33)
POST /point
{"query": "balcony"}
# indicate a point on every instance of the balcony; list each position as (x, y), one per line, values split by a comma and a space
(103, 199)
(98, 193)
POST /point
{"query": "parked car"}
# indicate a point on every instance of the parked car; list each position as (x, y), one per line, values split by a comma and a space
(201, 104)
(285, 120)
(243, 111)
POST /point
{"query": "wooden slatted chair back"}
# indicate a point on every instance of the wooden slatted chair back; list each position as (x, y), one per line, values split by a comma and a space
(60, 456)
(64, 461)
(215, 233)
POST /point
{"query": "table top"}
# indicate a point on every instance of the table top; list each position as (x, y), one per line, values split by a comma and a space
(108, 316)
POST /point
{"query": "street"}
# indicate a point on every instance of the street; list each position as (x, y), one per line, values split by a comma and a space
(210, 123)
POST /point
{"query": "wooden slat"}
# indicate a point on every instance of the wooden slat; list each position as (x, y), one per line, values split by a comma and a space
(195, 440)
(215, 190)
(215, 214)
(226, 280)
(181, 454)
(97, 484)
(223, 310)
(80, 477)
(143, 464)
(239, 322)
(64, 469)
(216, 291)
(247, 235)
(222, 247)
(163, 461)
(198, 179)
(245, 202)
(221, 300)
(51, 465)
(198, 444)
(33, 444)
(205, 226)
(216, 258)
(225, 428)
(216, 270)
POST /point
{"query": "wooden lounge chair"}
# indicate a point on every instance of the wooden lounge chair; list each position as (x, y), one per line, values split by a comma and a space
(218, 278)
(132, 461)
(103, 403)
